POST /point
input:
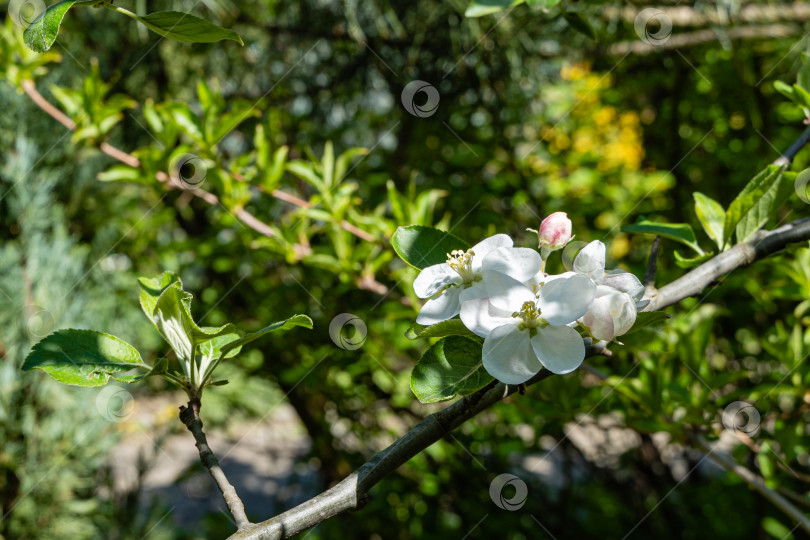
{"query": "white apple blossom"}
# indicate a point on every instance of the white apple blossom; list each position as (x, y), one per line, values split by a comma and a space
(461, 278)
(618, 294)
(525, 326)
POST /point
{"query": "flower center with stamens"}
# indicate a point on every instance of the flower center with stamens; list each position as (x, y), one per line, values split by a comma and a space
(529, 314)
(461, 262)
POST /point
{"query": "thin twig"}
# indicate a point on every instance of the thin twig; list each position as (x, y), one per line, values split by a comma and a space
(31, 91)
(652, 265)
(790, 153)
(190, 416)
(29, 87)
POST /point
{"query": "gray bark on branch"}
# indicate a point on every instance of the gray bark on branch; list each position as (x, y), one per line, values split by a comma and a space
(190, 416)
(352, 492)
(694, 282)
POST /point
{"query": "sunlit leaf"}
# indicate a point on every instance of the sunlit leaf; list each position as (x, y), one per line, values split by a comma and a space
(83, 357)
(422, 246)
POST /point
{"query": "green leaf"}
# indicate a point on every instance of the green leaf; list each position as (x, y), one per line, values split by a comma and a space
(172, 317)
(578, 23)
(801, 96)
(751, 194)
(479, 8)
(122, 173)
(645, 319)
(83, 357)
(777, 530)
(182, 26)
(680, 232)
(422, 246)
(766, 207)
(803, 76)
(152, 288)
(712, 216)
(295, 320)
(173, 320)
(41, 33)
(686, 262)
(161, 366)
(451, 366)
(784, 89)
(450, 327)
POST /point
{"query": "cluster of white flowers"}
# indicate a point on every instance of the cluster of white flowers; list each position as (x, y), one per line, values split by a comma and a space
(527, 317)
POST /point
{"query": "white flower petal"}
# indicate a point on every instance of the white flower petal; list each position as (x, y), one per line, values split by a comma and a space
(481, 317)
(625, 282)
(476, 290)
(519, 263)
(612, 314)
(506, 293)
(485, 246)
(433, 279)
(559, 348)
(508, 355)
(443, 307)
(591, 261)
(566, 299)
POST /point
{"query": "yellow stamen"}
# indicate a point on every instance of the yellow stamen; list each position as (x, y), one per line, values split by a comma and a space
(461, 262)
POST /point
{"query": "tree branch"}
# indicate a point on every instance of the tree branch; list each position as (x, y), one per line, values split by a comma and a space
(763, 244)
(754, 481)
(31, 91)
(190, 416)
(352, 492)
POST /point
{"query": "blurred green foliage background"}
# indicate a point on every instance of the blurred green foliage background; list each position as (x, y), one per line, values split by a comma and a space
(534, 117)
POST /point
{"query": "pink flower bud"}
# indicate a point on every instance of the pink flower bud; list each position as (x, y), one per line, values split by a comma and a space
(555, 231)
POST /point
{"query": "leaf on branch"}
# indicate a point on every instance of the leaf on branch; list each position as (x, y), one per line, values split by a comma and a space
(41, 33)
(295, 320)
(453, 365)
(755, 191)
(766, 207)
(450, 327)
(579, 23)
(686, 262)
(84, 357)
(161, 366)
(712, 216)
(421, 246)
(680, 232)
(645, 319)
(152, 288)
(479, 8)
(172, 317)
(182, 26)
